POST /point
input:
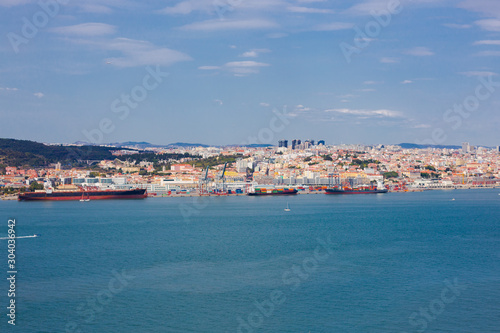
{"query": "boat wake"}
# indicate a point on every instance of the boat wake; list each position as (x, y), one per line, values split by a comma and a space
(32, 236)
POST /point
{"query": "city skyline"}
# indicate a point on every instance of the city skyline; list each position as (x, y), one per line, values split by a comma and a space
(241, 72)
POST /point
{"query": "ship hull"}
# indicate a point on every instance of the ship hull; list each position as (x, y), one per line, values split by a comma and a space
(287, 192)
(337, 191)
(79, 195)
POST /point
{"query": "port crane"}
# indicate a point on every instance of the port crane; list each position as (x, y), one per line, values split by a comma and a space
(222, 178)
(203, 183)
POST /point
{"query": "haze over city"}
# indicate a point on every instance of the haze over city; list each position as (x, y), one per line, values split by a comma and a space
(362, 72)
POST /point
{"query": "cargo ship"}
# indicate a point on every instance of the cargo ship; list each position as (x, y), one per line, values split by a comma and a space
(83, 195)
(273, 191)
(371, 189)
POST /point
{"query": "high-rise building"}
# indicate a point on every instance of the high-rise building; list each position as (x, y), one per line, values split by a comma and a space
(465, 147)
(321, 142)
(283, 143)
(294, 144)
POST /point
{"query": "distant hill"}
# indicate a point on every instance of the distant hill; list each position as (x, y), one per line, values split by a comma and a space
(184, 145)
(417, 146)
(143, 145)
(34, 154)
(253, 145)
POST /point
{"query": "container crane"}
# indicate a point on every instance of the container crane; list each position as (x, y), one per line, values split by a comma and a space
(222, 178)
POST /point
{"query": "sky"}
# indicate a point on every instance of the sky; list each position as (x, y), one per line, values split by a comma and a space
(250, 71)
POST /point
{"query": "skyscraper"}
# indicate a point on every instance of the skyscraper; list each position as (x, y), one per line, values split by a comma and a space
(465, 147)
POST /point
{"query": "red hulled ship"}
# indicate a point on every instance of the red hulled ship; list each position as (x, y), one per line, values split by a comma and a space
(274, 191)
(83, 195)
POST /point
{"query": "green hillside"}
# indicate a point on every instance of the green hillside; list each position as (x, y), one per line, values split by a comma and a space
(34, 154)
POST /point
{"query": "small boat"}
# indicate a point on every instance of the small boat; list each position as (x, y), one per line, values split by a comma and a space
(287, 209)
(453, 199)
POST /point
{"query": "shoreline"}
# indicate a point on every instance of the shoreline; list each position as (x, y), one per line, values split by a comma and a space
(191, 195)
(316, 192)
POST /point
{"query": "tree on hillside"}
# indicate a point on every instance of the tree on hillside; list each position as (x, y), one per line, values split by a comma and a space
(391, 174)
(35, 186)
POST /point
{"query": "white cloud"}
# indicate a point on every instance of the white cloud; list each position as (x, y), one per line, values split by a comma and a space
(243, 68)
(489, 24)
(238, 68)
(364, 40)
(406, 82)
(366, 7)
(86, 29)
(38, 94)
(478, 73)
(487, 42)
(419, 51)
(457, 26)
(368, 113)
(215, 25)
(95, 8)
(333, 26)
(300, 110)
(373, 82)
(422, 126)
(140, 53)
(13, 3)
(277, 35)
(386, 60)
(367, 90)
(132, 52)
(308, 10)
(264, 104)
(488, 53)
(254, 53)
(218, 101)
(301, 107)
(249, 54)
(487, 7)
(310, 1)
(245, 64)
(220, 7)
(185, 7)
(347, 96)
(8, 89)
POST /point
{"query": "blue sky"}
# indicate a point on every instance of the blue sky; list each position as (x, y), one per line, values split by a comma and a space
(366, 72)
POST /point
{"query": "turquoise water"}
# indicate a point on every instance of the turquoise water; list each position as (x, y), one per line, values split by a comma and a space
(367, 263)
